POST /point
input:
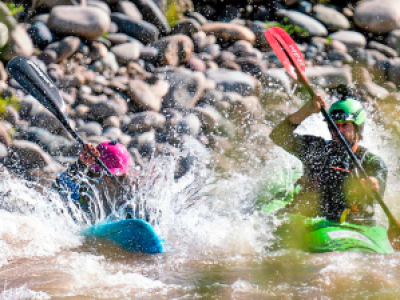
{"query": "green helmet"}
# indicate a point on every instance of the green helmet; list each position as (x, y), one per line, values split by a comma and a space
(348, 110)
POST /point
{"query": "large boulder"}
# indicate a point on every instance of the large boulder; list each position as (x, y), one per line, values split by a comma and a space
(186, 87)
(141, 30)
(393, 40)
(29, 155)
(186, 27)
(374, 90)
(103, 110)
(4, 135)
(145, 121)
(394, 71)
(328, 77)
(142, 96)
(40, 34)
(46, 120)
(50, 3)
(312, 26)
(233, 81)
(378, 16)
(153, 14)
(61, 50)
(229, 32)
(129, 9)
(99, 4)
(276, 79)
(86, 22)
(90, 129)
(245, 110)
(174, 50)
(330, 17)
(351, 39)
(209, 117)
(3, 35)
(125, 53)
(19, 44)
(387, 51)
(52, 143)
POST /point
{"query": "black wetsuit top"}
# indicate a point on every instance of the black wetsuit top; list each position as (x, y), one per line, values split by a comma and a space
(330, 177)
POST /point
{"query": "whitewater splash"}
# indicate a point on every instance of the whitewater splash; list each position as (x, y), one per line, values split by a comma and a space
(205, 218)
(198, 214)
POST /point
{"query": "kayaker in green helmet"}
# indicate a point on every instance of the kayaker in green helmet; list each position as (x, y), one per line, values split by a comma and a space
(331, 186)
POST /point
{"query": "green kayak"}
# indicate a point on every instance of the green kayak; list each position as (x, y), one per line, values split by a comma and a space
(318, 235)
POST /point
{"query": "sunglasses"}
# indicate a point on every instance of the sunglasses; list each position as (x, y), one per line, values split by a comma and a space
(340, 115)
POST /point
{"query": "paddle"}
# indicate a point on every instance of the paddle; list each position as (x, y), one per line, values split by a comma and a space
(292, 60)
(35, 82)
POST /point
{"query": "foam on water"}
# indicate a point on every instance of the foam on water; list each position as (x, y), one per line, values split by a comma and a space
(198, 215)
(22, 293)
(31, 225)
(92, 275)
(202, 212)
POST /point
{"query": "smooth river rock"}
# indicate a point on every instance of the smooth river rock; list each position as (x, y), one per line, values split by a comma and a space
(85, 22)
(125, 53)
(233, 81)
(352, 39)
(19, 44)
(141, 30)
(3, 35)
(328, 77)
(142, 96)
(30, 155)
(393, 40)
(186, 87)
(378, 16)
(153, 14)
(330, 17)
(229, 32)
(312, 26)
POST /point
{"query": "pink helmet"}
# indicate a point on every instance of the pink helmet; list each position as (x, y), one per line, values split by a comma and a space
(115, 156)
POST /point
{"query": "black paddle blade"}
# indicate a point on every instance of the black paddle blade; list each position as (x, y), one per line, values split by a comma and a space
(36, 82)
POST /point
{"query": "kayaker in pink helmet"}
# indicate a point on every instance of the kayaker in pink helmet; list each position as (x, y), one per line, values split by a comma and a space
(90, 188)
(114, 155)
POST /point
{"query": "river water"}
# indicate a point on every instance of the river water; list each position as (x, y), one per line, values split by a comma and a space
(218, 245)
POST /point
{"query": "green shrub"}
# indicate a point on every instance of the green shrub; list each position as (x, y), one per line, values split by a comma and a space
(172, 13)
(321, 1)
(291, 29)
(4, 102)
(14, 8)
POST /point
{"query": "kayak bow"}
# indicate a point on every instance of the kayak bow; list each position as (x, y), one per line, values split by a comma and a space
(318, 235)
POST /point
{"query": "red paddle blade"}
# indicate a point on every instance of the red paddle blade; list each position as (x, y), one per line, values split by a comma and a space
(291, 48)
(288, 52)
(275, 42)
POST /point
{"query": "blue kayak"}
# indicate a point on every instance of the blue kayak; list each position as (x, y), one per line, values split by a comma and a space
(132, 234)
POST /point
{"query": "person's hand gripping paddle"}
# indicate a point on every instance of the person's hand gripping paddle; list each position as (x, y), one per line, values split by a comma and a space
(293, 61)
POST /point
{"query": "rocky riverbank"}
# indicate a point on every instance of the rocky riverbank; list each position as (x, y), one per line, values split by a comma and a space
(156, 75)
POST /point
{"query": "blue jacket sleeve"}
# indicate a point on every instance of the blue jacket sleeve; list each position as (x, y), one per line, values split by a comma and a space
(69, 182)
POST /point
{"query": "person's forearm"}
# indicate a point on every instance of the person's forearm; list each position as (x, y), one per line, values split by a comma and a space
(312, 106)
(300, 115)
